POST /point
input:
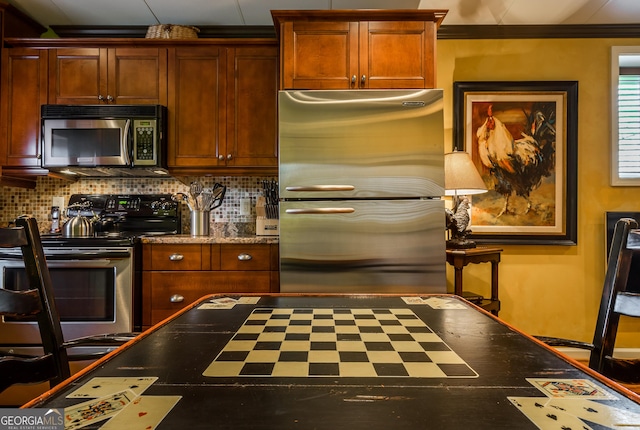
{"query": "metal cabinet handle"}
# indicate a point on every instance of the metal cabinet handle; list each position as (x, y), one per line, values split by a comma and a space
(100, 98)
(176, 257)
(229, 156)
(353, 79)
(176, 298)
(245, 257)
(221, 157)
(109, 98)
(321, 188)
(320, 211)
(363, 79)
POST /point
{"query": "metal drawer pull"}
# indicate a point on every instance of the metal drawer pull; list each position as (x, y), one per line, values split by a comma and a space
(176, 298)
(321, 188)
(176, 257)
(245, 257)
(320, 211)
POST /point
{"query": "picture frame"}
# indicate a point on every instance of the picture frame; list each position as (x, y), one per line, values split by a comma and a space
(522, 138)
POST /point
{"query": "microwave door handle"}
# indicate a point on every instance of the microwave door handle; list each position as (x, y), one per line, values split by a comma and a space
(127, 139)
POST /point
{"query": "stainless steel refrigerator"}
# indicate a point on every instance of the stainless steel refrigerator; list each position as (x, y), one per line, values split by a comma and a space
(361, 180)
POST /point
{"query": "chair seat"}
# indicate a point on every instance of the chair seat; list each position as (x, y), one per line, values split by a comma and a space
(624, 370)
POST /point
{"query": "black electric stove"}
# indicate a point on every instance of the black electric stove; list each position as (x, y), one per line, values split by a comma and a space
(119, 219)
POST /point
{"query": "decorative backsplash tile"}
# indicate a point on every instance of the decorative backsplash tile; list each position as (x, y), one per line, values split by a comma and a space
(37, 202)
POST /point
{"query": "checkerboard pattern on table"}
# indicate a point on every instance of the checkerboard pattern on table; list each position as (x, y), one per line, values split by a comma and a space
(305, 342)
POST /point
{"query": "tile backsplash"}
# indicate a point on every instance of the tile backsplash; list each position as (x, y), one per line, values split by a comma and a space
(37, 202)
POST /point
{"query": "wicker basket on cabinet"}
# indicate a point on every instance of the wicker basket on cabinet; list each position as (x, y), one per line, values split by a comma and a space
(171, 31)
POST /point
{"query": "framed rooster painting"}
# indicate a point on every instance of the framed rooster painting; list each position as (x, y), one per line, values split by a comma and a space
(522, 138)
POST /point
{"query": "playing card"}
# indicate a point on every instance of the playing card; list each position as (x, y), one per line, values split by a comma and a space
(248, 300)
(96, 410)
(604, 414)
(438, 303)
(545, 416)
(100, 387)
(575, 388)
(225, 301)
(216, 306)
(143, 413)
(413, 300)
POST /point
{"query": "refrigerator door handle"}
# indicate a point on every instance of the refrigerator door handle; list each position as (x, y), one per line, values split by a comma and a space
(320, 211)
(322, 188)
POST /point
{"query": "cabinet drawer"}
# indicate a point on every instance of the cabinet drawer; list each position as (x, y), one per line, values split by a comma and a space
(172, 291)
(179, 257)
(245, 257)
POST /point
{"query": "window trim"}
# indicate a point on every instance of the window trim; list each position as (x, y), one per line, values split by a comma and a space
(616, 53)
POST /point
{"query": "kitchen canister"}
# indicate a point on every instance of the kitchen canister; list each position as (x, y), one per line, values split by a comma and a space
(200, 223)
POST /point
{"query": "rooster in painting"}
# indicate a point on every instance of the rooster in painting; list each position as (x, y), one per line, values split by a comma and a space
(518, 165)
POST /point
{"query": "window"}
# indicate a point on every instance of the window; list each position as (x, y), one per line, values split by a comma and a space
(625, 123)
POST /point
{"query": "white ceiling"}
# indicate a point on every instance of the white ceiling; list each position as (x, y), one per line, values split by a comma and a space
(256, 12)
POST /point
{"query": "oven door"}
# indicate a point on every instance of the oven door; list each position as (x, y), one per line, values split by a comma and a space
(85, 142)
(93, 290)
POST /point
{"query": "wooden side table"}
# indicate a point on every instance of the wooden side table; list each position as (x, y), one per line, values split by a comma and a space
(459, 258)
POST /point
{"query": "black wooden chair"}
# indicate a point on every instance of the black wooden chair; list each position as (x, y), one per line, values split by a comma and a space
(39, 302)
(614, 303)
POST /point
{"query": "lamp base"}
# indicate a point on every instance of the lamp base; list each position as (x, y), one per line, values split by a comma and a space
(460, 243)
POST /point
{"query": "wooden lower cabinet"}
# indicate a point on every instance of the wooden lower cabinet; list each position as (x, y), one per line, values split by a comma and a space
(176, 275)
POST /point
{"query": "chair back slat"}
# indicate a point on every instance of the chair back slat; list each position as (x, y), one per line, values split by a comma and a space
(19, 303)
(628, 304)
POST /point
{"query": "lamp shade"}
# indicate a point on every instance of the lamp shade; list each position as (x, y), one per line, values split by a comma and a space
(461, 176)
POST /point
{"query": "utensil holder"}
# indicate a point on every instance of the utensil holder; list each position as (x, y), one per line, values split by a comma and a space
(200, 223)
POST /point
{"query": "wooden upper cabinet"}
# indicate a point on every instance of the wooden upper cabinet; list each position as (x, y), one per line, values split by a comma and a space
(197, 109)
(357, 49)
(223, 109)
(24, 90)
(252, 124)
(119, 75)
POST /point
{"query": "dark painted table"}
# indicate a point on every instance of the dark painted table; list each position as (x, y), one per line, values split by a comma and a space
(292, 361)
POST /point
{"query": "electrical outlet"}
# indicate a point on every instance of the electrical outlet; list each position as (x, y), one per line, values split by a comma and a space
(58, 201)
(245, 206)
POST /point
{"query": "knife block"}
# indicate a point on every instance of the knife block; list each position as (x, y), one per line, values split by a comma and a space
(265, 226)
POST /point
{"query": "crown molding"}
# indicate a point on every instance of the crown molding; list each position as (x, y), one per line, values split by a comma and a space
(445, 32)
(578, 31)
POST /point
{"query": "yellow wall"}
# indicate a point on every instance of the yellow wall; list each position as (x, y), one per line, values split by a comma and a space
(552, 290)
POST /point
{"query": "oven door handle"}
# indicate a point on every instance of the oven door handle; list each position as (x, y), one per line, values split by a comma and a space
(112, 255)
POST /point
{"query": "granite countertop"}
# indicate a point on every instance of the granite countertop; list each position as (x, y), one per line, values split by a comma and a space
(185, 238)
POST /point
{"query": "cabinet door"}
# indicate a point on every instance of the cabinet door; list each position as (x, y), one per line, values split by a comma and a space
(252, 128)
(77, 75)
(137, 75)
(397, 54)
(319, 55)
(197, 114)
(24, 89)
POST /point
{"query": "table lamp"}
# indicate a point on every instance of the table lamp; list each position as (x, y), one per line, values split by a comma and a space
(461, 178)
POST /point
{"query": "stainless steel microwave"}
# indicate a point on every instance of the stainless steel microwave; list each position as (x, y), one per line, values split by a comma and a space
(104, 140)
